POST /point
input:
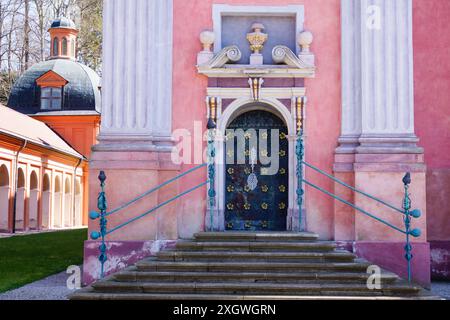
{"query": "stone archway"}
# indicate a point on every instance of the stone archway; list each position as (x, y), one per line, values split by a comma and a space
(78, 219)
(67, 215)
(231, 112)
(57, 204)
(46, 202)
(33, 203)
(20, 200)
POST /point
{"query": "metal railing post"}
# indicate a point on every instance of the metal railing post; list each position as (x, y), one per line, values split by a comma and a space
(102, 207)
(211, 176)
(300, 152)
(103, 214)
(407, 221)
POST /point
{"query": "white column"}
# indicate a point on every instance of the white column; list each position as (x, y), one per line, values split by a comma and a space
(137, 76)
(377, 64)
(351, 76)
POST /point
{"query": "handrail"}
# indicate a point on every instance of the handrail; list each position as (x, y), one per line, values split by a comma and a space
(102, 206)
(352, 188)
(157, 207)
(408, 214)
(353, 206)
(155, 189)
(299, 113)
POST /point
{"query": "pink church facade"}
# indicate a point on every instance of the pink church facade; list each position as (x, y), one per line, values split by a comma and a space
(372, 80)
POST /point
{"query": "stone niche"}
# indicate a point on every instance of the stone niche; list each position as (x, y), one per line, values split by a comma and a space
(281, 31)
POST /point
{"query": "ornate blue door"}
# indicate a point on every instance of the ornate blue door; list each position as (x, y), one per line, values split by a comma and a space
(256, 193)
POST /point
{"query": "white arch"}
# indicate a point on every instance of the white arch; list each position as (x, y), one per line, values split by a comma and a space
(46, 204)
(235, 109)
(243, 105)
(33, 201)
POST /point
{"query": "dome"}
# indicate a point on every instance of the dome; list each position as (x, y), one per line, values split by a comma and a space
(81, 93)
(63, 23)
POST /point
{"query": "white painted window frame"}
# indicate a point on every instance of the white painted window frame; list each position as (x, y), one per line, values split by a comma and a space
(223, 10)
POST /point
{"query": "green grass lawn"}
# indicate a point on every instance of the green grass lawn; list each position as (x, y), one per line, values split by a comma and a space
(25, 259)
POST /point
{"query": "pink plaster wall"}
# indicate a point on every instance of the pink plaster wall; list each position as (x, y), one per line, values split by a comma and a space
(432, 107)
(322, 17)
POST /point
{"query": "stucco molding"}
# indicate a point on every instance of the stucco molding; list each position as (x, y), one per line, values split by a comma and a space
(245, 93)
(264, 71)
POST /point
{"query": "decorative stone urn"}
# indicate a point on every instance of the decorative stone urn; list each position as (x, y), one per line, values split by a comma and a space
(207, 39)
(257, 39)
(304, 40)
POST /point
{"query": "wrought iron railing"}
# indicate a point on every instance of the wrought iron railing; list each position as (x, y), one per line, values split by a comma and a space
(405, 210)
(103, 214)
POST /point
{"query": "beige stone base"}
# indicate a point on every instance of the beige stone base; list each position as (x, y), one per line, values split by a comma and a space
(130, 174)
(380, 176)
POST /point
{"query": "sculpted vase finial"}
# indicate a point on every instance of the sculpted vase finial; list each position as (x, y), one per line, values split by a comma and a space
(257, 38)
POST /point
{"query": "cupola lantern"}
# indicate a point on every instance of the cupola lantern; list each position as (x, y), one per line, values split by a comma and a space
(63, 35)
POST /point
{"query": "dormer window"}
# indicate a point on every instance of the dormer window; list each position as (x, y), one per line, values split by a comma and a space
(52, 90)
(51, 98)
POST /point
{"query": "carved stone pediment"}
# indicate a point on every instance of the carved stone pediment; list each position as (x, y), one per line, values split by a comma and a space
(287, 63)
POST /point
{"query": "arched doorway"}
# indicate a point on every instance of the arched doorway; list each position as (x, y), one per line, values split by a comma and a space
(256, 172)
(5, 192)
(33, 201)
(67, 203)
(78, 204)
(20, 200)
(46, 205)
(57, 206)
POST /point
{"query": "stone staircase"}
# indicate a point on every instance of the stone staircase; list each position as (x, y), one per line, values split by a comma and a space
(249, 265)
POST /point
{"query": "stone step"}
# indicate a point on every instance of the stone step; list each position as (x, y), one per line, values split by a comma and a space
(249, 246)
(336, 256)
(90, 294)
(214, 266)
(141, 276)
(256, 236)
(253, 288)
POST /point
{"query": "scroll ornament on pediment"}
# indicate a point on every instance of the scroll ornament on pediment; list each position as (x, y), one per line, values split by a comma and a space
(230, 54)
(304, 62)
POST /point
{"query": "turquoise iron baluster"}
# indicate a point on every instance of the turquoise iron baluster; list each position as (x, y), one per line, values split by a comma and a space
(211, 174)
(212, 125)
(300, 152)
(102, 206)
(407, 219)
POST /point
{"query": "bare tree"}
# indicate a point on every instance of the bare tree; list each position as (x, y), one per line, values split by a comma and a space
(24, 39)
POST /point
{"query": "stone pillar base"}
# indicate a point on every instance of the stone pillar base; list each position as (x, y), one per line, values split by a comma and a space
(130, 174)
